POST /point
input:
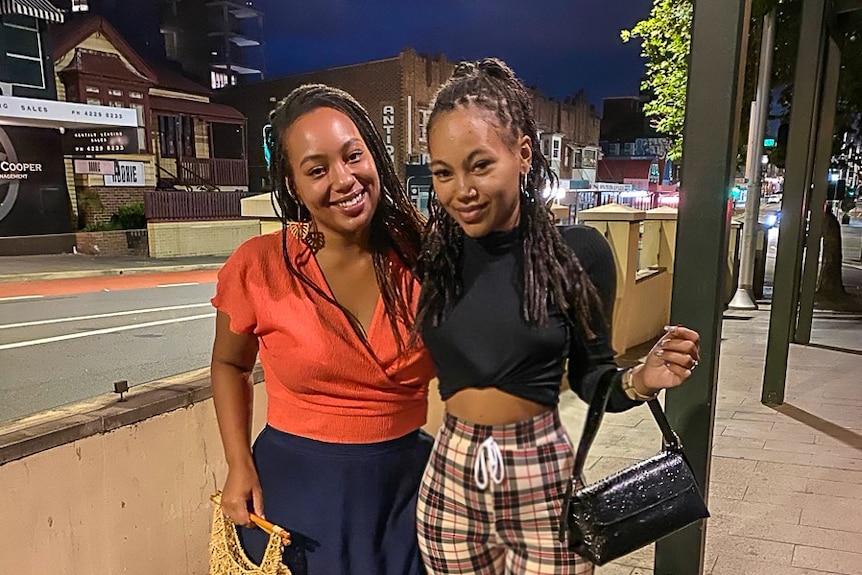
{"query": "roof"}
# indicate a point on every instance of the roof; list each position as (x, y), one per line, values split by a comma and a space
(174, 81)
(623, 168)
(102, 64)
(207, 111)
(66, 37)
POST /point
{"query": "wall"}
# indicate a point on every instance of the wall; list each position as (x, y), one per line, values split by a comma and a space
(111, 199)
(207, 238)
(113, 243)
(134, 500)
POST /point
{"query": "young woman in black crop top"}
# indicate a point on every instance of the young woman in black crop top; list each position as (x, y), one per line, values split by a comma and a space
(506, 301)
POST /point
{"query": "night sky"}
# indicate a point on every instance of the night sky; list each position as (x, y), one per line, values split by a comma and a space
(559, 46)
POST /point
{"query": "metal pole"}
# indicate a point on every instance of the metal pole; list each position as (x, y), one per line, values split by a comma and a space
(782, 315)
(822, 160)
(719, 33)
(744, 297)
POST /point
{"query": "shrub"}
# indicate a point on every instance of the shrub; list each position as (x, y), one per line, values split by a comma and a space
(130, 217)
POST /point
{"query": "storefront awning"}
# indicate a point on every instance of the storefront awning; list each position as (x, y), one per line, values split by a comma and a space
(204, 110)
(40, 9)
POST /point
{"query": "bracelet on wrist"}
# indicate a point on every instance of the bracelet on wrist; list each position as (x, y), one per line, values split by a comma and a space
(630, 390)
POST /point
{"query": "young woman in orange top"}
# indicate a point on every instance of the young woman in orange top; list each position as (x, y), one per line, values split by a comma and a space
(327, 304)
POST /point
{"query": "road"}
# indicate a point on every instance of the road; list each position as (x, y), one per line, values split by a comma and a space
(64, 341)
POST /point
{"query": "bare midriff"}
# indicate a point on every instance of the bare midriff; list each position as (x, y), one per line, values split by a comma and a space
(491, 406)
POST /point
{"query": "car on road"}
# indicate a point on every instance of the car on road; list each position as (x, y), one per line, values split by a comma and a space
(774, 199)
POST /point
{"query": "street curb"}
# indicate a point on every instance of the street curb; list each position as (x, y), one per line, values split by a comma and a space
(74, 274)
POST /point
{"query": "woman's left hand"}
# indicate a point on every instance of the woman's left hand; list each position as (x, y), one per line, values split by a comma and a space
(670, 361)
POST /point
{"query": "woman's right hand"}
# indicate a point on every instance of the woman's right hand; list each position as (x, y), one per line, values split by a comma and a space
(242, 485)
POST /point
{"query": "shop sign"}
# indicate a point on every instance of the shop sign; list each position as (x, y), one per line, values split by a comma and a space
(104, 167)
(33, 195)
(45, 113)
(126, 174)
(100, 141)
(389, 130)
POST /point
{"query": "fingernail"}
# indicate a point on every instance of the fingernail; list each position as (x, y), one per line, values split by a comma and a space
(661, 342)
(659, 353)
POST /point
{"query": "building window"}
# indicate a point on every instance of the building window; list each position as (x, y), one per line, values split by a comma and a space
(589, 158)
(114, 92)
(174, 131)
(423, 124)
(142, 126)
(170, 44)
(218, 80)
(136, 95)
(93, 90)
(555, 153)
(80, 6)
(94, 101)
(168, 136)
(23, 58)
(614, 149)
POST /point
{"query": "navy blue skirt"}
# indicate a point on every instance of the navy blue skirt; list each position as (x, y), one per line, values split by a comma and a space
(350, 508)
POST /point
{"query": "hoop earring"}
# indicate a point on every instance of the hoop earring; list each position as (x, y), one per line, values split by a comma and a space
(522, 185)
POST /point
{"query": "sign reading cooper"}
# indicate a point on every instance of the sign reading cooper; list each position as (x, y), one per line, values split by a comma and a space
(389, 130)
(127, 174)
(33, 195)
(17, 170)
(100, 141)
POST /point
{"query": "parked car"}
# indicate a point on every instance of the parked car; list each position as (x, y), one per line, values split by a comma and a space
(774, 199)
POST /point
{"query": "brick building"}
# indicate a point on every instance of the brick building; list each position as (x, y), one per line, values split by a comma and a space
(397, 93)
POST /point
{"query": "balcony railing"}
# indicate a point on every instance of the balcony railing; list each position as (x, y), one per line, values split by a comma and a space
(214, 171)
(181, 205)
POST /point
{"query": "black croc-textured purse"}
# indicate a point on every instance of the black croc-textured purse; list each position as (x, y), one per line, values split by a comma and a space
(634, 507)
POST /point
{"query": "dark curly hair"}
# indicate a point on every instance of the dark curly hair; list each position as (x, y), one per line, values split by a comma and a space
(396, 225)
(552, 273)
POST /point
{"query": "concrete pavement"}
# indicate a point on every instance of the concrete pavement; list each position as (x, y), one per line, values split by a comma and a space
(65, 266)
(786, 483)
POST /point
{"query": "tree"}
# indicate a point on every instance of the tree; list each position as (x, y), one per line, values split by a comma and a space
(666, 39)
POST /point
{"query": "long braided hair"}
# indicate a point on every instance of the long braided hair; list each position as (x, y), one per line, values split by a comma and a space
(551, 272)
(396, 225)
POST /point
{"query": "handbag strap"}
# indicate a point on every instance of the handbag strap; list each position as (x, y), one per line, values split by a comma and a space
(595, 413)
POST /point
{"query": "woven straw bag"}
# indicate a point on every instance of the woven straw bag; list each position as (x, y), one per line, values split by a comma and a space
(227, 556)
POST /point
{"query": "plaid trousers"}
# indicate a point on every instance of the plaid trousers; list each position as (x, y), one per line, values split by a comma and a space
(491, 499)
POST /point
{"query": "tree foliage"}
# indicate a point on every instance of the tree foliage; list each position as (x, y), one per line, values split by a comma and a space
(666, 40)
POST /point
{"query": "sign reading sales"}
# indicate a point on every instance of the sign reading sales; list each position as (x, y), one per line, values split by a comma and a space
(129, 174)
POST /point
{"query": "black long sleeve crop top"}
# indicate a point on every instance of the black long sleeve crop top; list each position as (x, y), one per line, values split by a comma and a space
(484, 341)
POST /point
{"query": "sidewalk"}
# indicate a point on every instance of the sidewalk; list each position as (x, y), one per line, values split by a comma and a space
(65, 266)
(786, 483)
(785, 488)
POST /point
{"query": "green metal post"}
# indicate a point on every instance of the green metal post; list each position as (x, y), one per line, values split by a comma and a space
(825, 127)
(719, 39)
(782, 317)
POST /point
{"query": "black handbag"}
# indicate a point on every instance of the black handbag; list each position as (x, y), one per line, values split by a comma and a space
(634, 507)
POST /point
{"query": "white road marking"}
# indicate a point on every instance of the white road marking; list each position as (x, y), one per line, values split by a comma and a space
(101, 315)
(105, 331)
(20, 297)
(180, 284)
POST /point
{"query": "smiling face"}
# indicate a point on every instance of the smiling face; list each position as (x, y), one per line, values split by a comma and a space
(333, 173)
(476, 166)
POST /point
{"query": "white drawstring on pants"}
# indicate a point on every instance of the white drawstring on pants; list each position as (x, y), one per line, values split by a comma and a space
(489, 464)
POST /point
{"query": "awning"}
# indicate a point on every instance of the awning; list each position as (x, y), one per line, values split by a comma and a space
(40, 9)
(204, 110)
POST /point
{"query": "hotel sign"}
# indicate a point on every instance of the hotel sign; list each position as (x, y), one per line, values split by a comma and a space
(53, 114)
